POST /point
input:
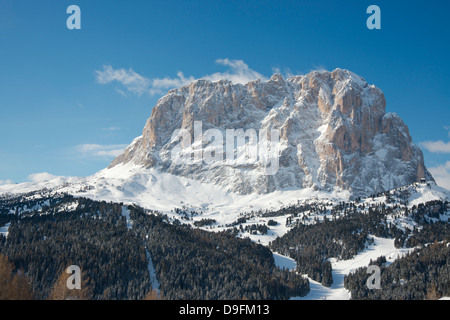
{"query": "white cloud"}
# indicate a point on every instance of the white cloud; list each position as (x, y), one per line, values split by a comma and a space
(99, 151)
(442, 175)
(111, 129)
(5, 182)
(436, 146)
(41, 177)
(160, 86)
(133, 81)
(239, 72)
(286, 72)
(447, 128)
(319, 68)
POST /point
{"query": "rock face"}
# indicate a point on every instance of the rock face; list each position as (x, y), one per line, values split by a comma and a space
(333, 133)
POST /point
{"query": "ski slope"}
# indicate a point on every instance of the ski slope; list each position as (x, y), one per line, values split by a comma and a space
(380, 247)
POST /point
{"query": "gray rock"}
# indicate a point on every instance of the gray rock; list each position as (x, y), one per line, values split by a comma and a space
(334, 133)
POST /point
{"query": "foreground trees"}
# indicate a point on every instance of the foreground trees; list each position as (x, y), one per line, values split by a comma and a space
(95, 236)
(422, 274)
(46, 235)
(13, 284)
(62, 291)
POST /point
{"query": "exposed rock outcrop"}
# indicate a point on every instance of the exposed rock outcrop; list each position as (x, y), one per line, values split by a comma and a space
(333, 128)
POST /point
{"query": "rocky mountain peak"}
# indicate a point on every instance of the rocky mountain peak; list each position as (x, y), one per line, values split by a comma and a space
(332, 127)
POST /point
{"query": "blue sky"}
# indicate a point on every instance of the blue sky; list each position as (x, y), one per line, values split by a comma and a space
(72, 99)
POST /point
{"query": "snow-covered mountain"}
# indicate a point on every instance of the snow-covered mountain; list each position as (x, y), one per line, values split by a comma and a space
(164, 192)
(336, 142)
(333, 132)
(338, 151)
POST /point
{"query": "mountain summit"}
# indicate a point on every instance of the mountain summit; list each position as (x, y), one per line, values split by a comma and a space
(331, 130)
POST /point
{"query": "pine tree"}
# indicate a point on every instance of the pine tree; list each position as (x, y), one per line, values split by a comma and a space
(6, 270)
(13, 286)
(154, 295)
(432, 293)
(19, 287)
(61, 291)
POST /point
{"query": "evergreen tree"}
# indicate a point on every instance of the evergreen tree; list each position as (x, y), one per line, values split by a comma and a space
(61, 290)
(154, 295)
(13, 286)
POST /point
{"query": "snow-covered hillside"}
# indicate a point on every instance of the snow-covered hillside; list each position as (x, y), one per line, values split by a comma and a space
(164, 192)
(260, 217)
(181, 197)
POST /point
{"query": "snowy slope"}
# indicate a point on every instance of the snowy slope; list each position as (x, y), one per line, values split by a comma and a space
(381, 247)
(4, 230)
(164, 192)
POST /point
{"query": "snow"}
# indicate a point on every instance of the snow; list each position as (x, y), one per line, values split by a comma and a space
(282, 261)
(308, 110)
(4, 230)
(380, 247)
(163, 192)
(422, 193)
(126, 214)
(67, 207)
(341, 268)
(26, 187)
(152, 272)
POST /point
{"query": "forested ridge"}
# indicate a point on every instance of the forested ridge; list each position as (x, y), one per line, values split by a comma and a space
(422, 274)
(47, 235)
(348, 229)
(311, 245)
(94, 237)
(213, 265)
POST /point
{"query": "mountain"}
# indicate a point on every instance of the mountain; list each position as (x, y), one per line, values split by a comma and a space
(327, 130)
(336, 142)
(317, 183)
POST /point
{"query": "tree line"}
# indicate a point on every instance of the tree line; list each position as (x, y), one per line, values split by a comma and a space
(196, 264)
(311, 245)
(422, 274)
(189, 263)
